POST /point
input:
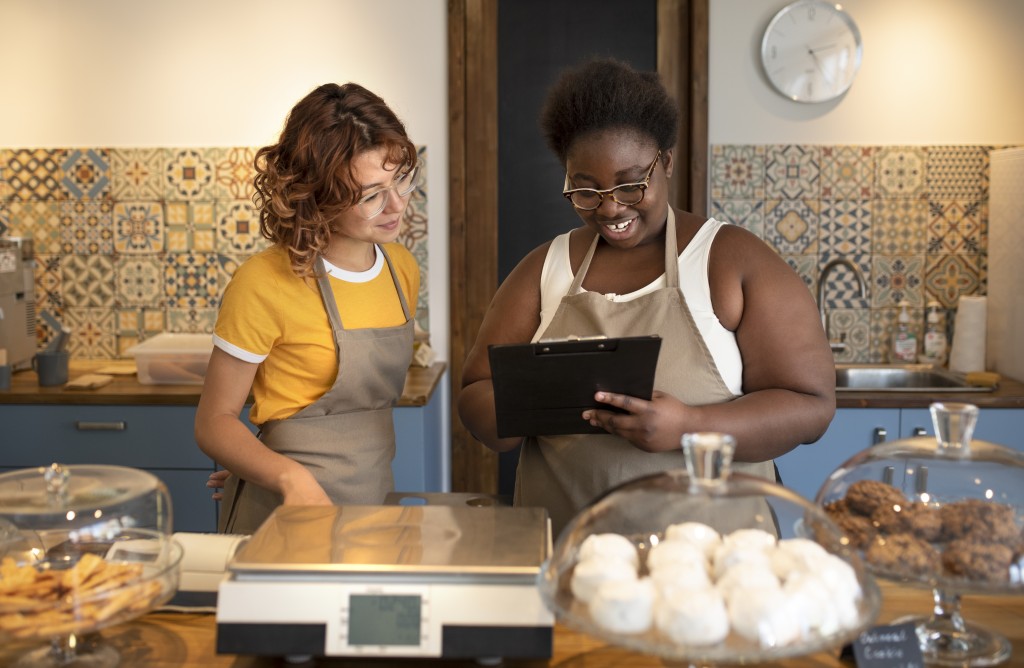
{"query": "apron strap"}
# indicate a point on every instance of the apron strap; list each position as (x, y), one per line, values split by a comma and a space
(327, 294)
(671, 252)
(671, 258)
(398, 286)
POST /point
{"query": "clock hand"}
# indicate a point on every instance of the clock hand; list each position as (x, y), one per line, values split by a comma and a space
(820, 48)
(817, 63)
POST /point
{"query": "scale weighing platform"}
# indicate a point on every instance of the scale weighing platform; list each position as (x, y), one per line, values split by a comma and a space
(452, 581)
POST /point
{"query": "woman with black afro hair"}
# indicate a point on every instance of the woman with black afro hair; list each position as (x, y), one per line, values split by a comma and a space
(743, 350)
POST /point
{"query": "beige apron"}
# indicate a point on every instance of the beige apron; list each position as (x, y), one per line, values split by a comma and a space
(346, 438)
(565, 473)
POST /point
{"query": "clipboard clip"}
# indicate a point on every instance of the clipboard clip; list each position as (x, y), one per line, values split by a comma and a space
(576, 344)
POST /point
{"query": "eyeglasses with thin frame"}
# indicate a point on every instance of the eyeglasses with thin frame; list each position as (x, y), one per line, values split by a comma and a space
(371, 204)
(626, 194)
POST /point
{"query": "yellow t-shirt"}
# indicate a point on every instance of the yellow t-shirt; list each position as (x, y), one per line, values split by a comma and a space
(271, 317)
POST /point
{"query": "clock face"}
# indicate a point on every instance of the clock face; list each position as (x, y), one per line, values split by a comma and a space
(811, 51)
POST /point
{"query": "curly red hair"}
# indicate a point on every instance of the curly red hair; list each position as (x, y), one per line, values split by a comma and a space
(305, 180)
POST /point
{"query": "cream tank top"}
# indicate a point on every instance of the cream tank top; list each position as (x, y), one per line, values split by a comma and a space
(556, 278)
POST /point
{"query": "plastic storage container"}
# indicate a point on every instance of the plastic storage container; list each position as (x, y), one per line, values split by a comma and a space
(173, 359)
(81, 548)
(708, 567)
(945, 513)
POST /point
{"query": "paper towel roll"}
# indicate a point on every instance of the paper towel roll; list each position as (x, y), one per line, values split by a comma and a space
(968, 350)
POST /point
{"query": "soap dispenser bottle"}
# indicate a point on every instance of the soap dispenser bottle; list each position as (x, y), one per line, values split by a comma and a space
(904, 341)
(934, 335)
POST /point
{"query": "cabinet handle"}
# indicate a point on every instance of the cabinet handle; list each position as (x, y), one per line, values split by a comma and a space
(920, 431)
(84, 425)
(881, 433)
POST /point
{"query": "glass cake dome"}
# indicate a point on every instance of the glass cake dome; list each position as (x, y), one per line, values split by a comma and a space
(81, 548)
(943, 512)
(708, 566)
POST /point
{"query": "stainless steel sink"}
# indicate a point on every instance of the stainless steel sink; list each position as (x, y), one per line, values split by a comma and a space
(900, 378)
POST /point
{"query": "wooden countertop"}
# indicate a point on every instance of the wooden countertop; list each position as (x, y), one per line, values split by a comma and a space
(420, 384)
(174, 640)
(1009, 394)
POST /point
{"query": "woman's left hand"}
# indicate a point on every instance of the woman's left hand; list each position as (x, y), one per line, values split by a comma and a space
(654, 425)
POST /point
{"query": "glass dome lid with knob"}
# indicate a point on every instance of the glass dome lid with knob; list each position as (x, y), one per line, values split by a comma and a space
(943, 512)
(81, 548)
(708, 566)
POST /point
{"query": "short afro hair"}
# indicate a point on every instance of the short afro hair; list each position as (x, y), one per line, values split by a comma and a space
(606, 93)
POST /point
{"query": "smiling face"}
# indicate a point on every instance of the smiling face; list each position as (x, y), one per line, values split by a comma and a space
(373, 173)
(613, 157)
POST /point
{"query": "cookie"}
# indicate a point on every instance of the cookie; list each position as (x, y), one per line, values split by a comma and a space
(865, 496)
(926, 522)
(977, 561)
(857, 528)
(982, 521)
(904, 554)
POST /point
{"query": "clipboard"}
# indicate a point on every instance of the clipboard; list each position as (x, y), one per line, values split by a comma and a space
(540, 389)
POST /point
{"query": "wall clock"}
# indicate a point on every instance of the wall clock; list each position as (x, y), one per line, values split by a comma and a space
(811, 51)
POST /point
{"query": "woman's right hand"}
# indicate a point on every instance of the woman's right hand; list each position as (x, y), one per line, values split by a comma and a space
(300, 488)
(217, 481)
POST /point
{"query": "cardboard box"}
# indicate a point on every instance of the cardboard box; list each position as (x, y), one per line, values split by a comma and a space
(173, 359)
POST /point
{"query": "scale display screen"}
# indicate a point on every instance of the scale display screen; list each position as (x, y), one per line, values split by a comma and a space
(377, 619)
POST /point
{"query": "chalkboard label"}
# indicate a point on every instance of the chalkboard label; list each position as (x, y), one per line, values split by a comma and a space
(893, 646)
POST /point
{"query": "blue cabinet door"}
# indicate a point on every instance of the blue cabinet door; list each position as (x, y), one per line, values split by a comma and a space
(805, 469)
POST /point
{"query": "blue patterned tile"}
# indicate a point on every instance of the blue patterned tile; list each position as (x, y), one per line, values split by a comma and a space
(847, 172)
(188, 175)
(954, 172)
(87, 227)
(737, 172)
(233, 172)
(87, 281)
(189, 226)
(791, 226)
(957, 226)
(94, 336)
(140, 280)
(845, 227)
(39, 219)
(901, 171)
(947, 277)
(49, 280)
(745, 213)
(899, 226)
(34, 174)
(792, 172)
(137, 173)
(238, 227)
(895, 278)
(191, 281)
(138, 227)
(86, 173)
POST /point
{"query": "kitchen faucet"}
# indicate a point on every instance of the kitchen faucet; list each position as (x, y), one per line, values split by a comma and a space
(840, 345)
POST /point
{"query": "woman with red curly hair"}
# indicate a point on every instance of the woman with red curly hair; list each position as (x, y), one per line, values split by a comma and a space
(319, 327)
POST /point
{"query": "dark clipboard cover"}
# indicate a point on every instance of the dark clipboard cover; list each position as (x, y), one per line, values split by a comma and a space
(541, 389)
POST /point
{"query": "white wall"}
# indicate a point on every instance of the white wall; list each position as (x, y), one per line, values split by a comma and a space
(142, 73)
(933, 72)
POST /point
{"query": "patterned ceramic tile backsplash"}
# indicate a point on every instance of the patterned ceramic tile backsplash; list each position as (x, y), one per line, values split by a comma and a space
(133, 242)
(913, 219)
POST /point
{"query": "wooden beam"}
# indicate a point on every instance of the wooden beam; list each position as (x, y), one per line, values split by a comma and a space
(473, 225)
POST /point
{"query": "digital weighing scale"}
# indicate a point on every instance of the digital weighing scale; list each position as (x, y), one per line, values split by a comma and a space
(453, 581)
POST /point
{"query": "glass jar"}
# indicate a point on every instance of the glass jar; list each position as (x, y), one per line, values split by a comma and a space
(81, 548)
(943, 512)
(709, 566)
